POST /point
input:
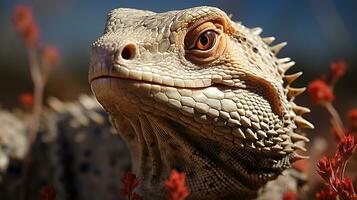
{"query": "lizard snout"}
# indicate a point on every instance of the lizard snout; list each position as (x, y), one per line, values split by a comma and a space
(105, 57)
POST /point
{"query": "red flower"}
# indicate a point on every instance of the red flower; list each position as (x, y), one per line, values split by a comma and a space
(325, 168)
(319, 91)
(332, 170)
(352, 118)
(290, 195)
(176, 186)
(346, 147)
(344, 188)
(347, 185)
(26, 99)
(31, 34)
(327, 194)
(22, 17)
(130, 183)
(50, 55)
(47, 193)
(25, 24)
(338, 69)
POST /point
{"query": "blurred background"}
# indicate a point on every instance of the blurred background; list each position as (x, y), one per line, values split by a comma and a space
(318, 32)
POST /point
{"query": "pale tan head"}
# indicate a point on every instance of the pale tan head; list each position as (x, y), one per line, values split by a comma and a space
(192, 89)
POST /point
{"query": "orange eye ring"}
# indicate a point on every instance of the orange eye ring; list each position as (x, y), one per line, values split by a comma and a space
(204, 43)
(206, 40)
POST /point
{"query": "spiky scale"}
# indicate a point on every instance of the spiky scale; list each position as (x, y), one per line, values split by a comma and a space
(300, 110)
(277, 147)
(284, 60)
(276, 48)
(268, 40)
(239, 133)
(286, 66)
(257, 30)
(245, 121)
(298, 147)
(288, 79)
(259, 144)
(262, 134)
(295, 137)
(297, 157)
(286, 143)
(282, 152)
(268, 149)
(272, 133)
(302, 123)
(250, 134)
(277, 139)
(288, 149)
(293, 92)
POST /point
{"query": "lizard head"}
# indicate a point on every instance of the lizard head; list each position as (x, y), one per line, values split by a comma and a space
(193, 90)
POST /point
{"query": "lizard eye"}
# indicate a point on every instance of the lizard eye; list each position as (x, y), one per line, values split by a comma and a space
(205, 43)
(206, 40)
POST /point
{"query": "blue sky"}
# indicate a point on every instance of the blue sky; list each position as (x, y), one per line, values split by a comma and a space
(317, 31)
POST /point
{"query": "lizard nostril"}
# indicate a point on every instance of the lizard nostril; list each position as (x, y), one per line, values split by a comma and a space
(128, 52)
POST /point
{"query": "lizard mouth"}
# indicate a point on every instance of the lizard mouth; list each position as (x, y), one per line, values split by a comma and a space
(122, 77)
(92, 79)
(219, 108)
(208, 108)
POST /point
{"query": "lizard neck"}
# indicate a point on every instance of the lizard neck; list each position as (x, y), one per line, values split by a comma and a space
(159, 145)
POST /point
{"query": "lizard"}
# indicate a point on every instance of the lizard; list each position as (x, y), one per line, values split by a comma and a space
(193, 90)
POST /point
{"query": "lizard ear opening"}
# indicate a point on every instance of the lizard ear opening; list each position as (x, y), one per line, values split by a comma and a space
(205, 42)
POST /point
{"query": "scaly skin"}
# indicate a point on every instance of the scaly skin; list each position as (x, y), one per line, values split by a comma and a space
(221, 111)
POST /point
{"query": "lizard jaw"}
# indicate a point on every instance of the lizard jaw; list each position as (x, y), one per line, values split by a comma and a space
(199, 108)
(248, 168)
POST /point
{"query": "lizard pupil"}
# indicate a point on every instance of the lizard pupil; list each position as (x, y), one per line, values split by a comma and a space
(206, 40)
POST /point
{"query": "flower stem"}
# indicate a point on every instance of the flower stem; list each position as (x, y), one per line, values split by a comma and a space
(39, 85)
(336, 119)
(38, 82)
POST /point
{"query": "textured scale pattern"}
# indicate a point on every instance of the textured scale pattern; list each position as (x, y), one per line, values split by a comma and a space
(226, 117)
